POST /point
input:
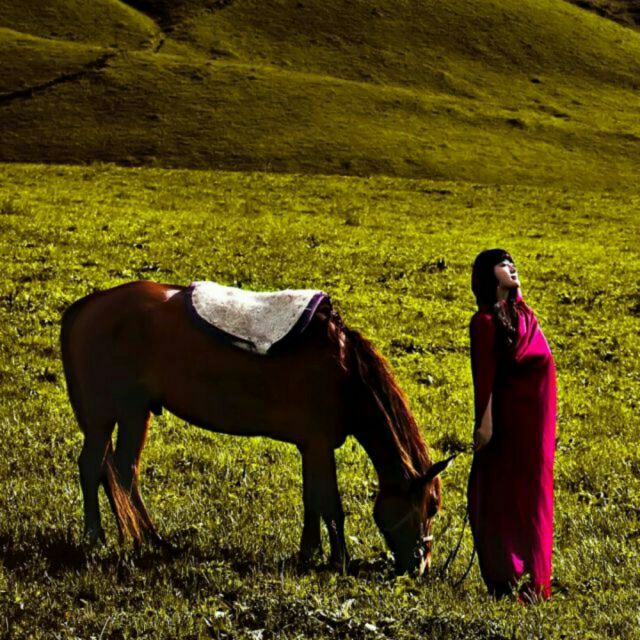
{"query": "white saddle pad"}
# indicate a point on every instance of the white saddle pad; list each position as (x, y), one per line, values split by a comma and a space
(254, 320)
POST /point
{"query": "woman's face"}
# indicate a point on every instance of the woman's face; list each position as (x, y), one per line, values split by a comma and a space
(506, 274)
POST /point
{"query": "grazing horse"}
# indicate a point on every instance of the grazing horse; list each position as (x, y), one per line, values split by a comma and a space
(134, 349)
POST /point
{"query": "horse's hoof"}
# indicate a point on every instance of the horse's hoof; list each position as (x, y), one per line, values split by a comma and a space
(302, 563)
(93, 537)
(308, 559)
(167, 548)
(162, 545)
(339, 565)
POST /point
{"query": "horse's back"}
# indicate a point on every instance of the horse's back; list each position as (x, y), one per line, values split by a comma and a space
(138, 344)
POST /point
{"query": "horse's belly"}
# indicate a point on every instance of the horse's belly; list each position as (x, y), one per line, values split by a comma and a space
(294, 397)
(238, 405)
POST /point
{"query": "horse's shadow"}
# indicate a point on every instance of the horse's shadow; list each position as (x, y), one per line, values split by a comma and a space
(62, 553)
(378, 568)
(59, 551)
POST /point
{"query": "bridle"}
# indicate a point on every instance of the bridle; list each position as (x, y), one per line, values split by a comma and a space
(396, 525)
(424, 538)
(400, 522)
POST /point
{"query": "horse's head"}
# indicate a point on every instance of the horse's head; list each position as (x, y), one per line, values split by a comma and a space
(405, 518)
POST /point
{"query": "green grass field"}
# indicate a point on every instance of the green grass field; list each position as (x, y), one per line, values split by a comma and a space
(395, 255)
(472, 124)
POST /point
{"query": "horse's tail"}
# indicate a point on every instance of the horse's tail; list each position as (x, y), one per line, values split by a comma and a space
(375, 373)
(126, 514)
(124, 510)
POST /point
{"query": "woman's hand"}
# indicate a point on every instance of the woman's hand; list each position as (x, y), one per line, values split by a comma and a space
(481, 438)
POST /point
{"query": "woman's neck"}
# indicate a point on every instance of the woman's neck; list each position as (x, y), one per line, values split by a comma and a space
(502, 293)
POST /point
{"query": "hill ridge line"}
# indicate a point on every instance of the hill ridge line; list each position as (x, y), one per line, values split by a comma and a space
(28, 92)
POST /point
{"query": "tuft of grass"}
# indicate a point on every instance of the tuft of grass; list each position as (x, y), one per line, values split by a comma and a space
(13, 207)
(354, 218)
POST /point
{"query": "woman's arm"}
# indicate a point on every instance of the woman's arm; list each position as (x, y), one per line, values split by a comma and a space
(483, 368)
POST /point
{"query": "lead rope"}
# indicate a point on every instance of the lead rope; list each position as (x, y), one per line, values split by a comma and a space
(458, 582)
(468, 569)
(454, 553)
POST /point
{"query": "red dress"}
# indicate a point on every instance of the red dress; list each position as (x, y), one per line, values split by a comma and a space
(510, 489)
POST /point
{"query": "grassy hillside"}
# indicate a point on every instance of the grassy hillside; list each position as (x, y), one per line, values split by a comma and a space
(40, 60)
(100, 22)
(233, 505)
(532, 91)
(416, 42)
(246, 117)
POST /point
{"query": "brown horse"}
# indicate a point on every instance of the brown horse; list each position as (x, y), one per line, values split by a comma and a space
(134, 349)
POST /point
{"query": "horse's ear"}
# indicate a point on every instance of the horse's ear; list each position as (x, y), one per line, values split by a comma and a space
(433, 472)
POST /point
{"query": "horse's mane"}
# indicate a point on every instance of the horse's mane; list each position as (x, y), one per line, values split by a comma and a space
(377, 376)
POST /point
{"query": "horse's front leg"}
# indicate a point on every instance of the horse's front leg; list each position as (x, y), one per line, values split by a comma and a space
(311, 543)
(321, 499)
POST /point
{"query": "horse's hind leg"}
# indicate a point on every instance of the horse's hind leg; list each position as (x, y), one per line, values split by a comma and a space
(133, 425)
(92, 460)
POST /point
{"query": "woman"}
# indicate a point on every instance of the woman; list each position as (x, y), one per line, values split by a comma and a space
(511, 484)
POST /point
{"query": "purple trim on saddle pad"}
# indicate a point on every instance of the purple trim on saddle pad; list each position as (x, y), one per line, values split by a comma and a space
(296, 330)
(303, 321)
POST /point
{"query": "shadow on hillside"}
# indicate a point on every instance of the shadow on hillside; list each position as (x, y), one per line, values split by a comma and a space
(62, 553)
